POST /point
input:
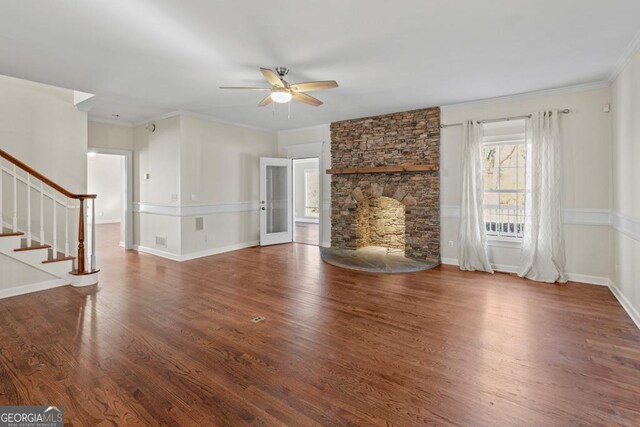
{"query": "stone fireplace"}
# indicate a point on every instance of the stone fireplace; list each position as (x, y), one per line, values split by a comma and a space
(385, 188)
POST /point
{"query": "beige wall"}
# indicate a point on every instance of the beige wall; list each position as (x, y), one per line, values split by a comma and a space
(220, 165)
(197, 164)
(625, 254)
(111, 136)
(105, 177)
(586, 151)
(40, 126)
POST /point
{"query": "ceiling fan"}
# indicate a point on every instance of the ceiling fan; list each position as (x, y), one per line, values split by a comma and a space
(283, 92)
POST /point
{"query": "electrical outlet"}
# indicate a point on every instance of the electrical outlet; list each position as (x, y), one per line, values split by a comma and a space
(450, 243)
(174, 197)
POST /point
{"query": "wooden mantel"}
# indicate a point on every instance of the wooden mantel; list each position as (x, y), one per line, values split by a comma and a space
(383, 169)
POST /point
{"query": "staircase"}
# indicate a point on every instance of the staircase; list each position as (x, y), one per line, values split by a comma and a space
(38, 223)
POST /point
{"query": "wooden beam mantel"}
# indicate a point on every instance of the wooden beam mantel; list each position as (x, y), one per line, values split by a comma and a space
(383, 169)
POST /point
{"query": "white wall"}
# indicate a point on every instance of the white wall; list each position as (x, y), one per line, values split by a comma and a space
(625, 259)
(289, 143)
(16, 274)
(586, 151)
(299, 208)
(105, 177)
(40, 126)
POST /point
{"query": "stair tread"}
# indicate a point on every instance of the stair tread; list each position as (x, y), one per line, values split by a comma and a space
(7, 232)
(59, 259)
(32, 248)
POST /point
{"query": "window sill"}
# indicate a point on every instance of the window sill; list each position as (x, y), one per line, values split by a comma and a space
(504, 242)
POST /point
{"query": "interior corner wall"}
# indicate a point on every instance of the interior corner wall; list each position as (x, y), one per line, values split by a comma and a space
(197, 168)
(41, 127)
(625, 239)
(158, 155)
(320, 134)
(586, 151)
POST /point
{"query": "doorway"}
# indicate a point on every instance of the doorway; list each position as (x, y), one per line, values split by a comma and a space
(306, 201)
(109, 176)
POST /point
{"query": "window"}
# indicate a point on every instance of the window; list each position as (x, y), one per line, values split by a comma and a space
(311, 193)
(505, 154)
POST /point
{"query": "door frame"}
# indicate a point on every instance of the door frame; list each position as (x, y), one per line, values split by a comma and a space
(128, 189)
(306, 151)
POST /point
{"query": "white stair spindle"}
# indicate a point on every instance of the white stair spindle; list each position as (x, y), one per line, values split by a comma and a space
(15, 200)
(29, 210)
(66, 229)
(54, 238)
(1, 220)
(93, 234)
(41, 213)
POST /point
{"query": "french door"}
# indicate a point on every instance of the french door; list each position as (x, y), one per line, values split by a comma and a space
(276, 209)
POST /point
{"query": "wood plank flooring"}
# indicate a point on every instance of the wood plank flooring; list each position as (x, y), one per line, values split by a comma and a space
(160, 342)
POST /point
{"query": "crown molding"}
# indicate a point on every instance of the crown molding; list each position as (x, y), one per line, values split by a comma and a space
(626, 56)
(204, 117)
(110, 122)
(533, 94)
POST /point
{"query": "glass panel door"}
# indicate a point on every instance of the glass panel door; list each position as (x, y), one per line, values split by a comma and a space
(275, 201)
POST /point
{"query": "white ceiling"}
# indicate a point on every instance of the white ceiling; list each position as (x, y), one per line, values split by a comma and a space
(144, 58)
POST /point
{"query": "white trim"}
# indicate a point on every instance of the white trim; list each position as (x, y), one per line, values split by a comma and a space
(572, 277)
(33, 287)
(195, 209)
(626, 56)
(204, 117)
(325, 244)
(586, 217)
(307, 220)
(110, 122)
(533, 94)
(626, 225)
(624, 302)
(106, 221)
(572, 216)
(194, 255)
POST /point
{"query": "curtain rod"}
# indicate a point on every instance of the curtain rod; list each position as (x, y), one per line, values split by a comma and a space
(503, 119)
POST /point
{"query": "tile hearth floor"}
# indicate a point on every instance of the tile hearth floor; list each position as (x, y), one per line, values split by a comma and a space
(374, 259)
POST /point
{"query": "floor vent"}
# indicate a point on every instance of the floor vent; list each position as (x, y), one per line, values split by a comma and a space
(257, 319)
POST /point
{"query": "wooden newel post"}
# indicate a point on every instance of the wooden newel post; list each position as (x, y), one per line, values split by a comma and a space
(81, 238)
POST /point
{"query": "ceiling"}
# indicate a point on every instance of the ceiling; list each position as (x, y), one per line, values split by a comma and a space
(144, 58)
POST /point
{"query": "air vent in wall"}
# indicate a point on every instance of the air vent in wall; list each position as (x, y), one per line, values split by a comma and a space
(161, 241)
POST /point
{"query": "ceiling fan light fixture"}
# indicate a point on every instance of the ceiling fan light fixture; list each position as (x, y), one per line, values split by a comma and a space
(281, 96)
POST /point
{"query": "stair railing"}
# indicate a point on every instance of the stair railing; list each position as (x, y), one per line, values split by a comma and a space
(69, 202)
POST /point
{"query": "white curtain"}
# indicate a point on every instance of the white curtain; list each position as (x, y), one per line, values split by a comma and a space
(543, 256)
(472, 236)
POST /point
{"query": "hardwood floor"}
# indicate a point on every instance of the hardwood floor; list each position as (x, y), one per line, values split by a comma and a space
(160, 342)
(307, 233)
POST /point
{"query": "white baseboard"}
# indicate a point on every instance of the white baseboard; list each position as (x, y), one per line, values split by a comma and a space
(194, 255)
(572, 277)
(307, 220)
(624, 302)
(34, 287)
(121, 244)
(325, 244)
(107, 221)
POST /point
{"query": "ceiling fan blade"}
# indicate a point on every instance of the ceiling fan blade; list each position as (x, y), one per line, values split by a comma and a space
(244, 88)
(272, 77)
(265, 101)
(306, 99)
(311, 86)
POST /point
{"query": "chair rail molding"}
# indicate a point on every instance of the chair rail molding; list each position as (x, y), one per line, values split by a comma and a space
(187, 210)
